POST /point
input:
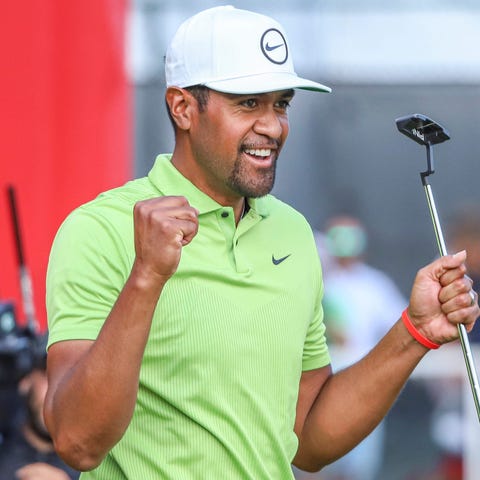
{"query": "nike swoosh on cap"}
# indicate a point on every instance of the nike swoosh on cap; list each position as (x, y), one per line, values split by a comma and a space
(277, 261)
(269, 48)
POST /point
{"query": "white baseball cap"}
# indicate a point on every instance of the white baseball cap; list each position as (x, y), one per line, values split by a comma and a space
(233, 51)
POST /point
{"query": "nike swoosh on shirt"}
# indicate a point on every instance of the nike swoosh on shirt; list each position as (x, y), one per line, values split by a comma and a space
(277, 261)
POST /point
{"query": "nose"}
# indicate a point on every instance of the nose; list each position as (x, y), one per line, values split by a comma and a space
(271, 124)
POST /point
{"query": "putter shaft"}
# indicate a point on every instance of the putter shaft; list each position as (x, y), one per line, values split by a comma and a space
(467, 352)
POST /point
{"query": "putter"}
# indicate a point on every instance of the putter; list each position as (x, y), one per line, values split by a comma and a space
(425, 131)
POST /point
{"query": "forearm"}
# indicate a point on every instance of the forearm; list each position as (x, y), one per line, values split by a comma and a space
(91, 405)
(353, 401)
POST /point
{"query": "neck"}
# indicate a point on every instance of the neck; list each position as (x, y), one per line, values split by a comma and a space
(241, 210)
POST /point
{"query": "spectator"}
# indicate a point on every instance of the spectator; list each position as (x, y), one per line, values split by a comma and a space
(26, 449)
(361, 304)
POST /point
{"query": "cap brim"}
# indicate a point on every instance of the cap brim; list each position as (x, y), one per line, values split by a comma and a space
(266, 82)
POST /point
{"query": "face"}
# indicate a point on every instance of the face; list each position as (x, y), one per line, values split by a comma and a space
(34, 387)
(236, 141)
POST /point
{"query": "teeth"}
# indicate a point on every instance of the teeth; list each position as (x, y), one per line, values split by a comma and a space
(259, 152)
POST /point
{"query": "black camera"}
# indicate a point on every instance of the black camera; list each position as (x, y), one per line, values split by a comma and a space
(21, 350)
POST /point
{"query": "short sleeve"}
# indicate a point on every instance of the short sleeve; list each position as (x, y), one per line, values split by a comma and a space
(315, 351)
(87, 270)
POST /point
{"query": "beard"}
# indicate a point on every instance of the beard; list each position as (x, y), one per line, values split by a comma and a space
(246, 184)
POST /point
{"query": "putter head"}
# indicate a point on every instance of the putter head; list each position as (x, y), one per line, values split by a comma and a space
(422, 129)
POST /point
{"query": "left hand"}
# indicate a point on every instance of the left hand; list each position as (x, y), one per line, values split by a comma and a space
(40, 471)
(440, 299)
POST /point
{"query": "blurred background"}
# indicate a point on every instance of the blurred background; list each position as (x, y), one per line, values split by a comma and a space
(82, 89)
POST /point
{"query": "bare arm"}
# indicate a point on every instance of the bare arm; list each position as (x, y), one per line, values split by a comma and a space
(335, 412)
(93, 385)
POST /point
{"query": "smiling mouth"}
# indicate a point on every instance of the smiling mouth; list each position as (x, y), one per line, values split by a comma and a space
(259, 153)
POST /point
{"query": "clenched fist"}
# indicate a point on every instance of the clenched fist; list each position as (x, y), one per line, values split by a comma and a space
(162, 227)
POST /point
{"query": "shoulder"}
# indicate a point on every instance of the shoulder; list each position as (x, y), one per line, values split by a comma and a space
(281, 214)
(111, 209)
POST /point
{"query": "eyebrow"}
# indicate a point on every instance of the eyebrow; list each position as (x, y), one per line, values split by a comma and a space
(290, 93)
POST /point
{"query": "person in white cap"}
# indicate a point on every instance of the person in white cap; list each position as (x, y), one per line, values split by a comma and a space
(186, 335)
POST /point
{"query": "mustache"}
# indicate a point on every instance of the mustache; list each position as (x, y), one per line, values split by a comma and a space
(271, 143)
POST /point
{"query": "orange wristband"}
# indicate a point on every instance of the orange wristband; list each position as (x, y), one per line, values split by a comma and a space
(416, 334)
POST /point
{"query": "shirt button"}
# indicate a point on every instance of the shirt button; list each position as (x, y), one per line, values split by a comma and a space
(224, 214)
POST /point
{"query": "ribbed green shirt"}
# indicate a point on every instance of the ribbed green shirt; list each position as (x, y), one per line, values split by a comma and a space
(233, 330)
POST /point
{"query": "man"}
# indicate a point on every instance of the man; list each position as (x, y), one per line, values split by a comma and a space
(186, 334)
(26, 449)
(360, 300)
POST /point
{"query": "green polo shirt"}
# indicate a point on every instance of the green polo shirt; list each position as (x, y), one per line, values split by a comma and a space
(234, 329)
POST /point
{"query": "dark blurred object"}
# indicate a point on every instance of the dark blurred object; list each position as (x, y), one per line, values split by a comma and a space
(26, 449)
(21, 351)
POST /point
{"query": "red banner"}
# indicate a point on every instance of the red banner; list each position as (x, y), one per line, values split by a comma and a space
(65, 129)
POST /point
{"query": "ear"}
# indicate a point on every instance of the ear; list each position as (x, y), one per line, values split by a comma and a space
(182, 105)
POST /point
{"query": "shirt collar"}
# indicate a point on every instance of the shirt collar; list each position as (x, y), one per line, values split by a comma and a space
(169, 181)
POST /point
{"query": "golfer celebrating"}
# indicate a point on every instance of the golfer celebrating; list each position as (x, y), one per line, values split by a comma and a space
(186, 330)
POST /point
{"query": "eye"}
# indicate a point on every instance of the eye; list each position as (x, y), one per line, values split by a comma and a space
(283, 104)
(250, 102)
